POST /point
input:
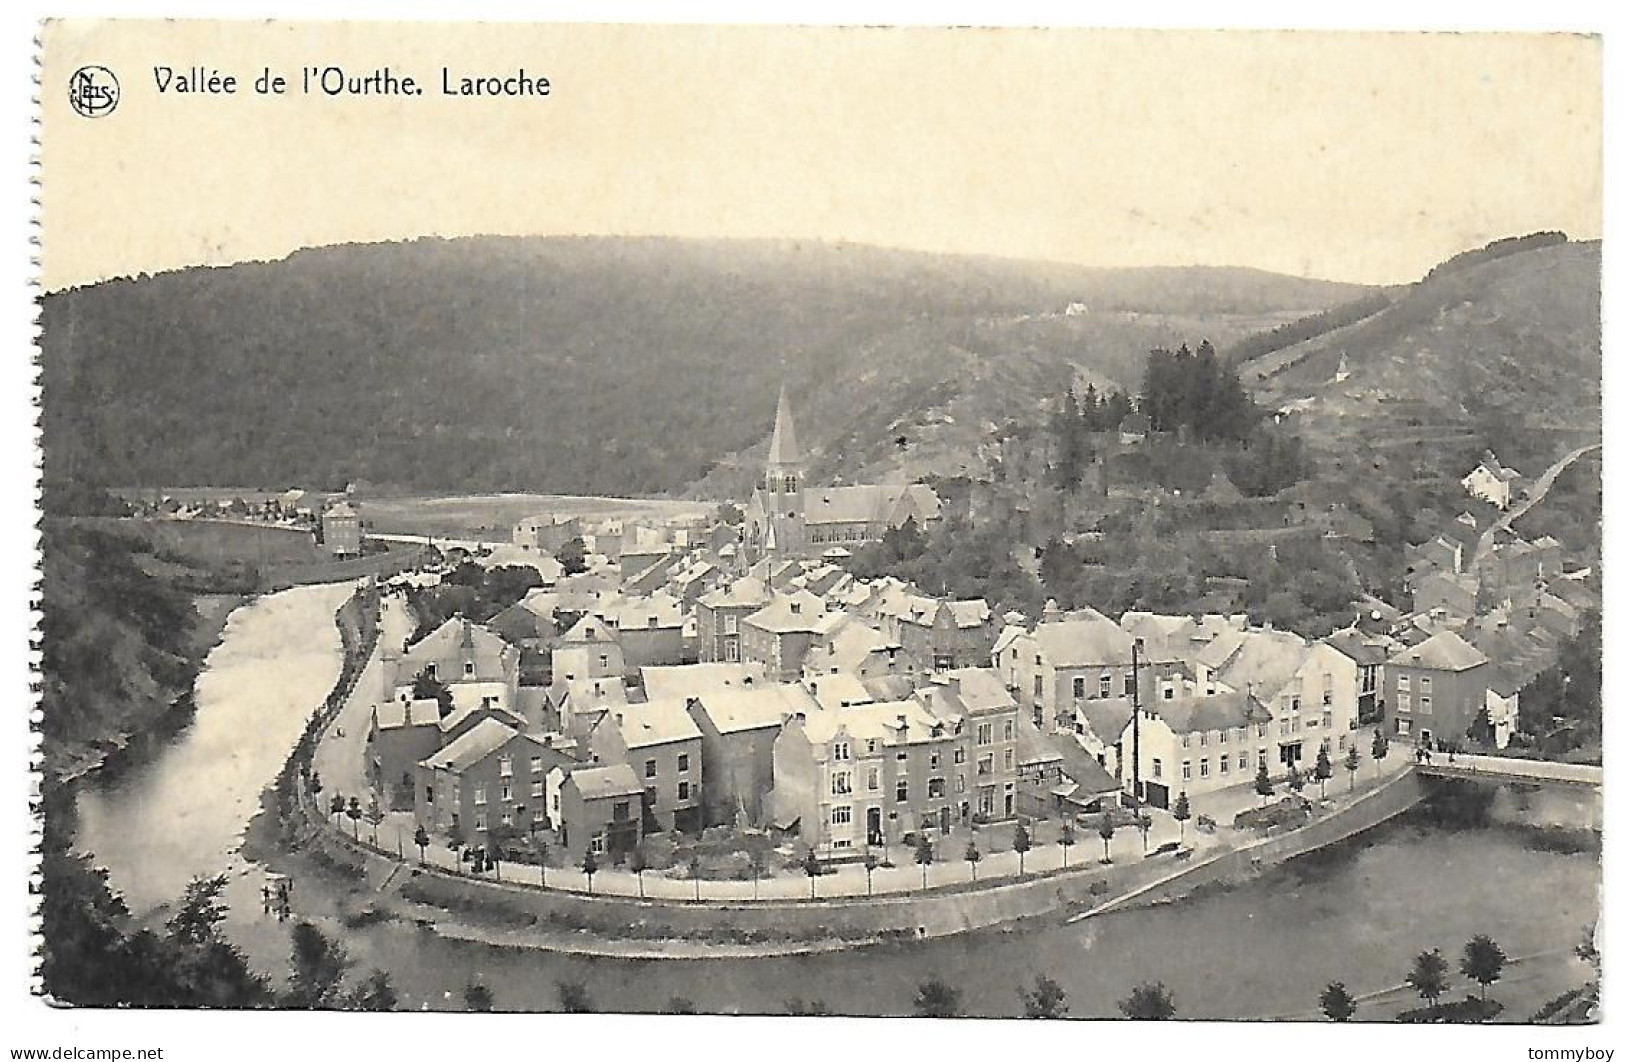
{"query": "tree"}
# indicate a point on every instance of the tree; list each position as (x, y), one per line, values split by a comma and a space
(377, 993)
(316, 787)
(420, 837)
(812, 867)
(542, 852)
(1022, 843)
(375, 815)
(1069, 837)
(1323, 767)
(1182, 813)
(758, 863)
(923, 855)
(1336, 1002)
(573, 998)
(201, 910)
(477, 998)
(1046, 1000)
(335, 807)
(1481, 730)
(1261, 781)
(1107, 830)
(1148, 1001)
(936, 999)
(637, 863)
(973, 856)
(1351, 764)
(1482, 961)
(318, 964)
(870, 862)
(589, 867)
(1295, 780)
(573, 556)
(1379, 747)
(455, 838)
(352, 811)
(1428, 976)
(426, 687)
(694, 875)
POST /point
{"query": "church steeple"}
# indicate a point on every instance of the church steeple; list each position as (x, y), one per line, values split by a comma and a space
(783, 449)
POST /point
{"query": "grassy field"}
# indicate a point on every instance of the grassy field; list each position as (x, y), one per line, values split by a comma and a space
(494, 515)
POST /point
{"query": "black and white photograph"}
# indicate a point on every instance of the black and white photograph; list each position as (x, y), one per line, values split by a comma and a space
(820, 521)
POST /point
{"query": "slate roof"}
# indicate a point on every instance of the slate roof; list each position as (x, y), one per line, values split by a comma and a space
(837, 690)
(655, 723)
(600, 783)
(788, 613)
(691, 680)
(732, 711)
(446, 647)
(980, 690)
(1108, 717)
(393, 714)
(1221, 711)
(748, 591)
(1444, 651)
(1083, 642)
(484, 738)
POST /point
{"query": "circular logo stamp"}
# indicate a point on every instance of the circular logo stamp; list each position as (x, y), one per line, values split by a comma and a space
(93, 91)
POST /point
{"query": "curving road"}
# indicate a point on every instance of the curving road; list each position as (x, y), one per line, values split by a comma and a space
(1537, 494)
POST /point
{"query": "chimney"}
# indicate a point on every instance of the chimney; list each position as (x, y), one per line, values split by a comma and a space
(619, 718)
(547, 741)
(692, 703)
(902, 727)
(747, 680)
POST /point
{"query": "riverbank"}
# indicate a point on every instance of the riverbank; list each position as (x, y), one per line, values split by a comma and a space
(149, 722)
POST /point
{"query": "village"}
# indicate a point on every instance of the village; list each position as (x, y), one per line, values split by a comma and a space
(709, 709)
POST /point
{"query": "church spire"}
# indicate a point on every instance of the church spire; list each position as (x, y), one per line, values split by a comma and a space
(783, 450)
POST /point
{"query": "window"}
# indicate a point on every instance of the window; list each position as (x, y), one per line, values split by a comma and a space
(936, 788)
(479, 795)
(984, 733)
(479, 821)
(1404, 726)
(505, 767)
(1262, 728)
(538, 789)
(841, 816)
(1402, 701)
(535, 765)
(1080, 688)
(1156, 768)
(902, 754)
(1009, 730)
(1426, 683)
(1297, 702)
(1224, 764)
(840, 783)
(1326, 694)
(1105, 684)
(651, 797)
(428, 793)
(649, 769)
(1342, 743)
(682, 761)
(507, 792)
(841, 750)
(984, 765)
(1403, 681)
(959, 784)
(730, 623)
(1205, 771)
(902, 790)
(1185, 770)
(596, 844)
(1241, 761)
(468, 669)
(936, 759)
(874, 779)
(1009, 759)
(623, 810)
(1185, 741)
(730, 652)
(1224, 736)
(959, 754)
(682, 790)
(1168, 692)
(1204, 739)
(1424, 704)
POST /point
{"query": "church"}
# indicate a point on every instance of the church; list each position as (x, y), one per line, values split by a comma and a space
(788, 517)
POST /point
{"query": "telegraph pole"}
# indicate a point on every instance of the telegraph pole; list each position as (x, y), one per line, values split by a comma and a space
(1134, 690)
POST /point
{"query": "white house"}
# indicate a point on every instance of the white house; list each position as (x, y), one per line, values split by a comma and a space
(1492, 481)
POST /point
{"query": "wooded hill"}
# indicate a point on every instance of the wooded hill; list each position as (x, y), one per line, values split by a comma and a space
(599, 365)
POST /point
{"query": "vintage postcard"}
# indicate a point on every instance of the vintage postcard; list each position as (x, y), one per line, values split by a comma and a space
(774, 520)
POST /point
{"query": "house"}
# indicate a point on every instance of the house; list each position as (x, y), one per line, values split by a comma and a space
(649, 631)
(943, 635)
(491, 776)
(341, 530)
(1196, 745)
(589, 652)
(1440, 553)
(1435, 689)
(869, 776)
(991, 716)
(1368, 655)
(1447, 594)
(779, 634)
(546, 533)
(580, 703)
(531, 622)
(666, 682)
(1501, 692)
(1058, 773)
(1310, 690)
(471, 661)
(718, 613)
(738, 725)
(1492, 481)
(1067, 659)
(856, 649)
(400, 735)
(1133, 429)
(663, 747)
(599, 811)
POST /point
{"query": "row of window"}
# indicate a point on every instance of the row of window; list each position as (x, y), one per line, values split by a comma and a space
(537, 789)
(651, 768)
(1424, 682)
(505, 766)
(984, 732)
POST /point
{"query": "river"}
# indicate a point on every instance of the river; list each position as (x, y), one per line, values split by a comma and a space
(1356, 912)
(179, 813)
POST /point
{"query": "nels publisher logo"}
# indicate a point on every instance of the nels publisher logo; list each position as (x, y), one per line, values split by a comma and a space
(93, 91)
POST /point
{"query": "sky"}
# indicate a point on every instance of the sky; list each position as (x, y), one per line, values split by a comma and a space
(1359, 157)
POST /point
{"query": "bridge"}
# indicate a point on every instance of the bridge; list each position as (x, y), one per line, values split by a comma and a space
(1511, 769)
